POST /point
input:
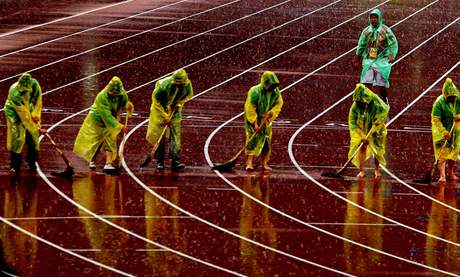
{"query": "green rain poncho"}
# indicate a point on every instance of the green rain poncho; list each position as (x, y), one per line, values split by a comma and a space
(443, 116)
(101, 126)
(364, 117)
(23, 112)
(379, 41)
(258, 103)
(166, 97)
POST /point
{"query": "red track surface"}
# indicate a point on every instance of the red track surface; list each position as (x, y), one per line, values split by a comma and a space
(291, 225)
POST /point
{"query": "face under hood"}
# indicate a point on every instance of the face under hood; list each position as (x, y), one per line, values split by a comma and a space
(115, 86)
(449, 89)
(362, 94)
(269, 79)
(25, 82)
(180, 77)
(379, 14)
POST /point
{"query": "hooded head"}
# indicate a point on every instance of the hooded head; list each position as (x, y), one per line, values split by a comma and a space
(377, 14)
(25, 82)
(362, 94)
(115, 86)
(269, 81)
(449, 89)
(180, 77)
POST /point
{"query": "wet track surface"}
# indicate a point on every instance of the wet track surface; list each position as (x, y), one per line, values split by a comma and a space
(292, 221)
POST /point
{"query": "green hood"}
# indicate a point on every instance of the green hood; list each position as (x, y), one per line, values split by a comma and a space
(25, 82)
(379, 14)
(362, 94)
(269, 78)
(449, 89)
(115, 86)
(180, 77)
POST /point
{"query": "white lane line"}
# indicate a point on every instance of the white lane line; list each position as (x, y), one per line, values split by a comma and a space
(96, 216)
(81, 32)
(176, 43)
(62, 19)
(34, 236)
(8, 274)
(90, 217)
(300, 221)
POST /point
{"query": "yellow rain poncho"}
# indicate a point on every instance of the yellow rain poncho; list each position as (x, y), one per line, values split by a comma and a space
(23, 109)
(259, 103)
(101, 126)
(443, 116)
(170, 94)
(368, 111)
(374, 45)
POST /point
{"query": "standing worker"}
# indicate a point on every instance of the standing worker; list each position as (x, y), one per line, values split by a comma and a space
(446, 130)
(366, 121)
(168, 98)
(23, 109)
(102, 125)
(262, 107)
(377, 46)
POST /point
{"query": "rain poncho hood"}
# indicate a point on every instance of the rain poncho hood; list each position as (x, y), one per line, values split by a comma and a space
(259, 103)
(102, 124)
(363, 119)
(445, 117)
(23, 109)
(379, 41)
(167, 104)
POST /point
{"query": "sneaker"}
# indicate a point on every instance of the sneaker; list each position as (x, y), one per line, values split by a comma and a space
(176, 166)
(109, 167)
(32, 168)
(160, 166)
(92, 165)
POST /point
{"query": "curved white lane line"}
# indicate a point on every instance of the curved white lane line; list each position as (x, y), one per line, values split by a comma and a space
(143, 185)
(34, 236)
(79, 206)
(81, 32)
(62, 19)
(300, 221)
(397, 116)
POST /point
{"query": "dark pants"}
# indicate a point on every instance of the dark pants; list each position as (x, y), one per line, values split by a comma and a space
(174, 154)
(31, 157)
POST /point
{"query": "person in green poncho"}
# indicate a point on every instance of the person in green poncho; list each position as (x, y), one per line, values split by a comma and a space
(445, 118)
(23, 109)
(102, 125)
(366, 122)
(168, 98)
(377, 46)
(262, 107)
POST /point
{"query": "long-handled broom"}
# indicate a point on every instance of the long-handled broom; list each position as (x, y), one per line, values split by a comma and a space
(68, 172)
(116, 171)
(228, 165)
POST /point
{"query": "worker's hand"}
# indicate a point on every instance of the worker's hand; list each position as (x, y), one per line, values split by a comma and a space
(447, 136)
(390, 58)
(268, 116)
(130, 108)
(356, 62)
(167, 122)
(42, 131)
(365, 141)
(35, 119)
(125, 129)
(256, 127)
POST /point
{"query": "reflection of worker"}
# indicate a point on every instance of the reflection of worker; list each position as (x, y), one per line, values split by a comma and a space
(378, 47)
(263, 105)
(255, 224)
(443, 222)
(445, 116)
(366, 121)
(168, 98)
(23, 109)
(101, 126)
(20, 201)
(162, 223)
(104, 198)
(364, 227)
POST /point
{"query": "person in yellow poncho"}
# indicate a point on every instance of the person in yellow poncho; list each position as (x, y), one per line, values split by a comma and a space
(262, 107)
(102, 125)
(366, 122)
(23, 109)
(168, 98)
(446, 129)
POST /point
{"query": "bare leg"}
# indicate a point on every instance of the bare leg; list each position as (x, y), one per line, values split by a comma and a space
(450, 171)
(249, 163)
(362, 159)
(442, 171)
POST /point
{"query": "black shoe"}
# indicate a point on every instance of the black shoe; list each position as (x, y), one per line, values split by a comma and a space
(32, 168)
(177, 166)
(160, 166)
